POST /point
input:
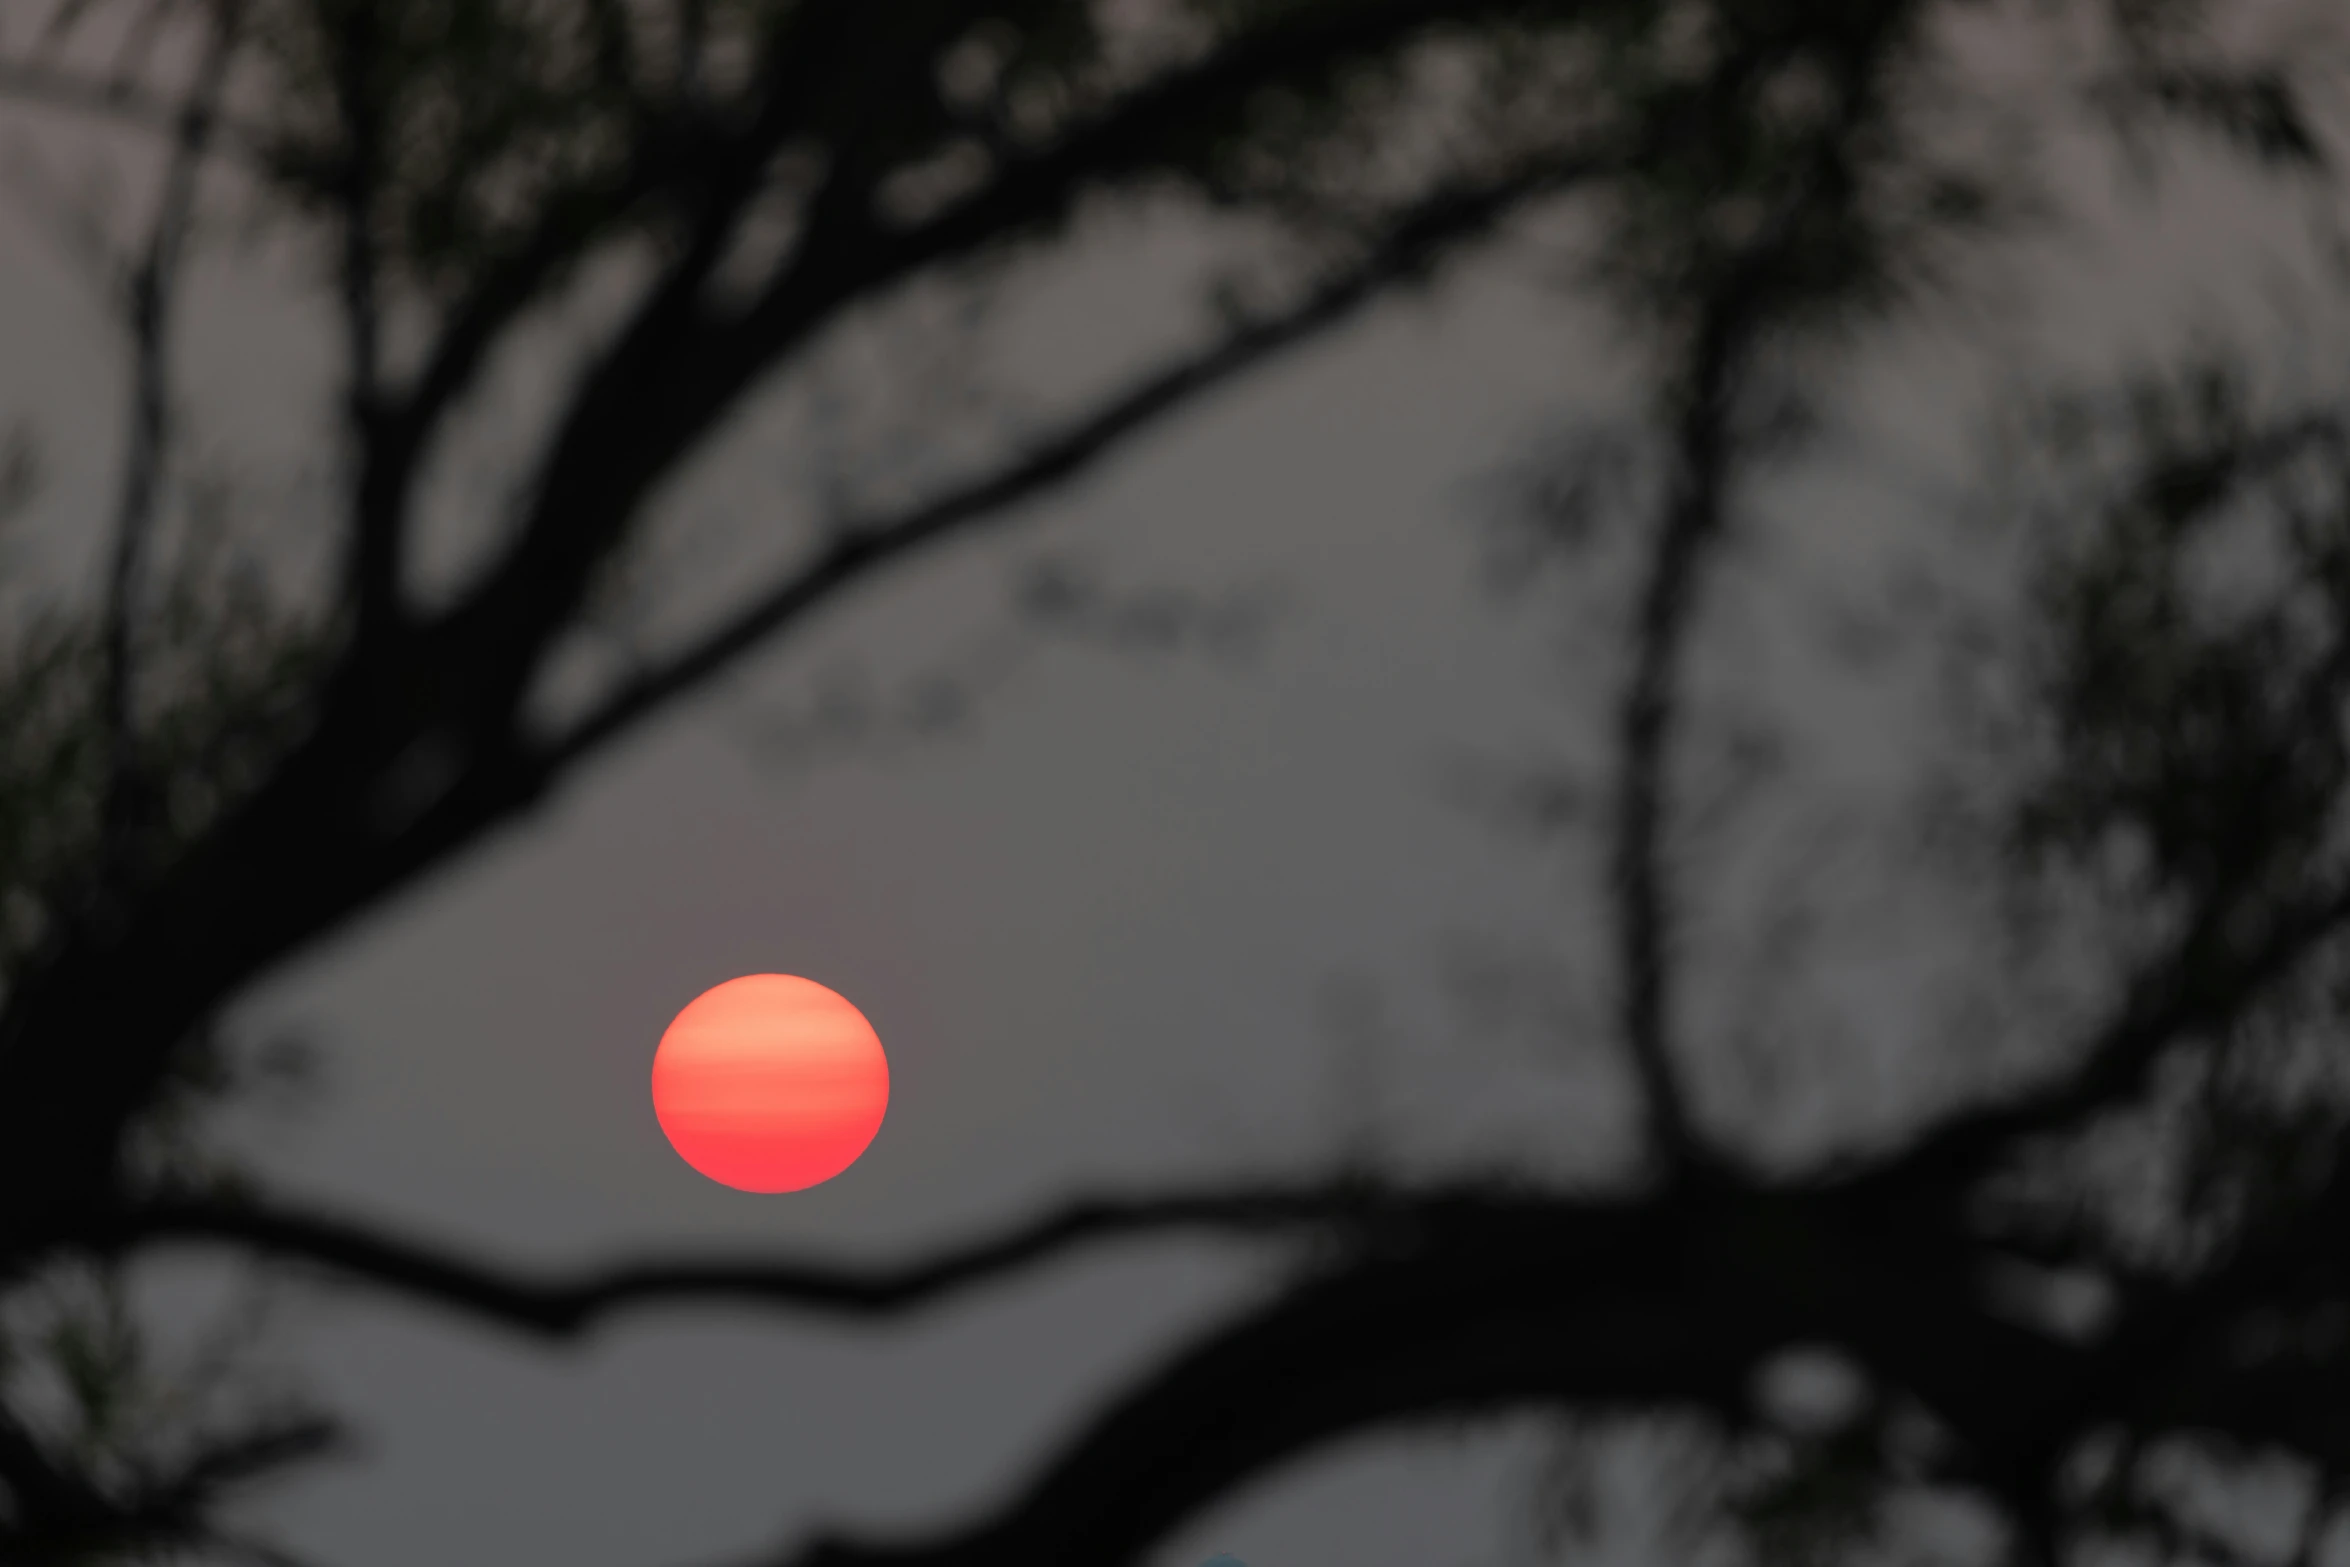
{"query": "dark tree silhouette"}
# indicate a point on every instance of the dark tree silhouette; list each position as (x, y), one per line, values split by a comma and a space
(201, 775)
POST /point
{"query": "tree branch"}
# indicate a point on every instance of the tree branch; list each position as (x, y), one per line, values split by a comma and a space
(376, 532)
(677, 368)
(724, 176)
(560, 1308)
(1729, 319)
(1478, 1330)
(1754, 289)
(148, 304)
(32, 81)
(1638, 880)
(1415, 244)
(2203, 981)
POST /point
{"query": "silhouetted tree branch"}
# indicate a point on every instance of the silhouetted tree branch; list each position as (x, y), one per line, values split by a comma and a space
(562, 1308)
(147, 305)
(863, 545)
(34, 81)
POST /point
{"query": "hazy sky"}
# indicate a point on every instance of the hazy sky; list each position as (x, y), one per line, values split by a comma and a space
(1103, 932)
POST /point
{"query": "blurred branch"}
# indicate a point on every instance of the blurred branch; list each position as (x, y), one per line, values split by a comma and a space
(722, 174)
(564, 1308)
(1605, 1314)
(37, 82)
(678, 366)
(148, 305)
(1415, 244)
(375, 549)
(397, 425)
(1484, 1329)
(1638, 880)
(1731, 313)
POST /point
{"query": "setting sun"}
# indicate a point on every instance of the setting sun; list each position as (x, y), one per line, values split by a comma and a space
(770, 1083)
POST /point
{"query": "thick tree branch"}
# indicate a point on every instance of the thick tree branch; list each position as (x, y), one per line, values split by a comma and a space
(679, 151)
(1365, 1349)
(560, 1308)
(1655, 1304)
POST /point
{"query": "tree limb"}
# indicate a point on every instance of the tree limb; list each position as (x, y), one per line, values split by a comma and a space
(1414, 245)
(1729, 318)
(1616, 1313)
(564, 1308)
(724, 173)
(148, 305)
(676, 368)
(1638, 880)
(376, 530)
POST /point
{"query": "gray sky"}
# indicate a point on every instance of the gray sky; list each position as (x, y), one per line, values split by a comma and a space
(1098, 932)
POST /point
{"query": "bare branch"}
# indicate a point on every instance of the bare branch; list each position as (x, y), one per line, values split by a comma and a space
(1415, 244)
(678, 367)
(1638, 880)
(148, 305)
(375, 564)
(1729, 319)
(398, 425)
(555, 1308)
(1757, 286)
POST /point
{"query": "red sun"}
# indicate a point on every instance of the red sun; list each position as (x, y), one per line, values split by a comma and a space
(770, 1083)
